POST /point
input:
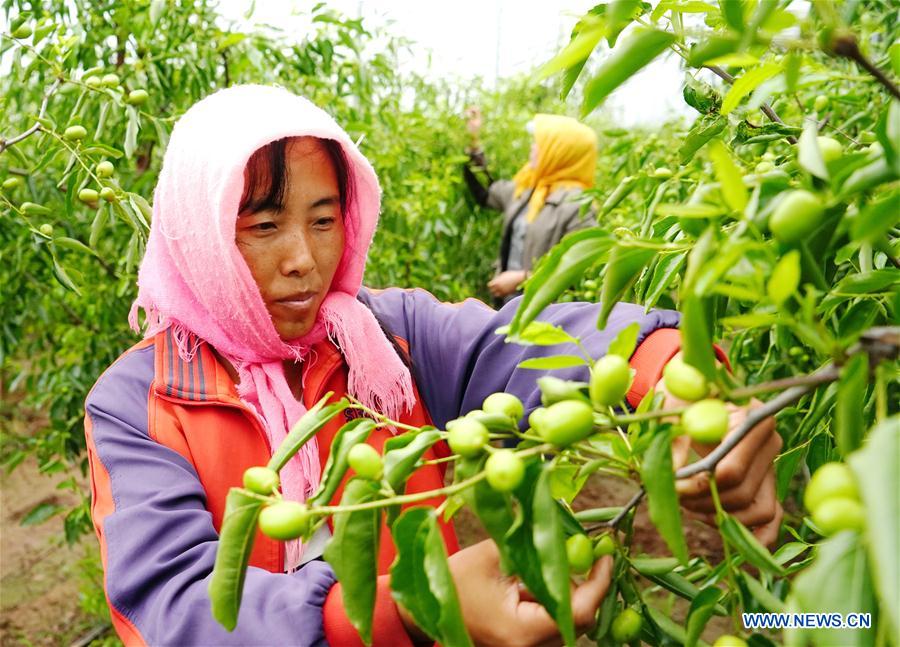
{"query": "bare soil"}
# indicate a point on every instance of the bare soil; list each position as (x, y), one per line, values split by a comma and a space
(39, 580)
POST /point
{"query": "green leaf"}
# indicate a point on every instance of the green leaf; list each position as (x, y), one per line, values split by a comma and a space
(401, 461)
(618, 194)
(230, 40)
(762, 595)
(643, 45)
(550, 546)
(71, 243)
(624, 267)
(142, 208)
(594, 515)
(492, 508)
(792, 64)
(577, 51)
(664, 275)
(625, 342)
(658, 477)
(558, 270)
(785, 279)
(157, 8)
(684, 6)
(698, 210)
(63, 277)
(421, 581)
(353, 552)
(674, 631)
(747, 83)
(865, 282)
(41, 513)
(104, 150)
(304, 429)
(701, 96)
(877, 469)
(70, 196)
(518, 551)
(131, 131)
(696, 336)
(888, 131)
(809, 156)
(566, 482)
(729, 175)
(553, 362)
(571, 75)
(236, 538)
(702, 608)
(538, 333)
(712, 47)
(876, 219)
(838, 581)
(790, 551)
(682, 587)
(867, 177)
(649, 566)
(748, 545)
(619, 15)
(703, 130)
(354, 432)
(733, 13)
(849, 422)
(98, 225)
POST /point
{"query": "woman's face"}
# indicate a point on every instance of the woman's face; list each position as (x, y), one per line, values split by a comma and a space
(533, 155)
(293, 253)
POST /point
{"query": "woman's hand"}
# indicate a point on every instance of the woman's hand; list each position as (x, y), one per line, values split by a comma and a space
(506, 282)
(497, 611)
(473, 120)
(745, 477)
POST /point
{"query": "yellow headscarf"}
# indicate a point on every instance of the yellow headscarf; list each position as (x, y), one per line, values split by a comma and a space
(566, 158)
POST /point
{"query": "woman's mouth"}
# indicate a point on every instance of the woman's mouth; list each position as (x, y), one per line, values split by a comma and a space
(299, 302)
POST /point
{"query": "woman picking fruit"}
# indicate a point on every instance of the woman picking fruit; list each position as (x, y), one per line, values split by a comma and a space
(251, 287)
(540, 204)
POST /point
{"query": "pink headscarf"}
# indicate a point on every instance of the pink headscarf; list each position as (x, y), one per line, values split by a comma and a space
(194, 280)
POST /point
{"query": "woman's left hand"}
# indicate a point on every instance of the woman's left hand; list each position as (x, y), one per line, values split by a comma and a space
(506, 282)
(745, 477)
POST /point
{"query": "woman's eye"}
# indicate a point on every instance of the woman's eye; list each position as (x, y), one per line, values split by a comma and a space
(264, 226)
(325, 222)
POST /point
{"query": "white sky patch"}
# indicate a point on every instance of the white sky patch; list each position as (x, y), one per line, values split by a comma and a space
(485, 38)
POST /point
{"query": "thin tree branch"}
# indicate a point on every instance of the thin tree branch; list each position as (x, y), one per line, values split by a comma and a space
(880, 343)
(6, 143)
(845, 45)
(708, 463)
(814, 379)
(764, 107)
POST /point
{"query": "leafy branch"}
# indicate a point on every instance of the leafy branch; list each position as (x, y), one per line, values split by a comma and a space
(880, 344)
(6, 143)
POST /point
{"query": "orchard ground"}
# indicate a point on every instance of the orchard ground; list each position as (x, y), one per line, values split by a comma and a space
(44, 587)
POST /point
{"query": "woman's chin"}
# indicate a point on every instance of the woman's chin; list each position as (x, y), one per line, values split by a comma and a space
(293, 332)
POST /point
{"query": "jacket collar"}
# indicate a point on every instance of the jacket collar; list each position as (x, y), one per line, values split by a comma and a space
(204, 378)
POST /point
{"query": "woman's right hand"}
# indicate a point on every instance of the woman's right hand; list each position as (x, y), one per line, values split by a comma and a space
(497, 611)
(473, 120)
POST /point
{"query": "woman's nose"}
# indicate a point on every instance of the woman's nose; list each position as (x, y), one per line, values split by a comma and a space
(297, 255)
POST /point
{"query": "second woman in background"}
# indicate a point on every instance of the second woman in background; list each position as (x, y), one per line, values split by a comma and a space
(540, 204)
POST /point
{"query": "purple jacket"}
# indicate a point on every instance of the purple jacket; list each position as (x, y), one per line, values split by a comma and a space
(157, 536)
